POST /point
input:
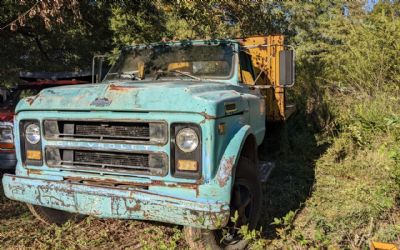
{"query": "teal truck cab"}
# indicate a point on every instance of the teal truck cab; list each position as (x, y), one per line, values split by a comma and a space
(170, 135)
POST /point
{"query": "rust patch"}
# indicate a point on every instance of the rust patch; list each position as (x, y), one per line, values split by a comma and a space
(31, 99)
(115, 183)
(34, 171)
(226, 171)
(106, 182)
(121, 88)
(135, 208)
(194, 186)
(207, 116)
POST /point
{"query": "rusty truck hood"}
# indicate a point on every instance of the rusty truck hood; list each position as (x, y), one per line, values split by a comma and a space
(207, 98)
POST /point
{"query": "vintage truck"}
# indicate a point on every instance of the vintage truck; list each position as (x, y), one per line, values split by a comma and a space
(170, 135)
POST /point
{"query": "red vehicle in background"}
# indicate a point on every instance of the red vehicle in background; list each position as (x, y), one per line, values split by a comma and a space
(32, 83)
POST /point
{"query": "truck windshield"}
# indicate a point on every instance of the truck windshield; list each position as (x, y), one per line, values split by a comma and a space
(184, 62)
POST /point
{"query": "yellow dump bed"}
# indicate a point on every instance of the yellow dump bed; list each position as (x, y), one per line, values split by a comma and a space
(265, 56)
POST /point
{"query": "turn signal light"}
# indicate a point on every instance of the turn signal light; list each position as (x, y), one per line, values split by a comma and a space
(187, 165)
(33, 155)
(7, 145)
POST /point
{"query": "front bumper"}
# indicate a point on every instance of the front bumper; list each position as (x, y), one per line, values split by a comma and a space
(8, 160)
(111, 202)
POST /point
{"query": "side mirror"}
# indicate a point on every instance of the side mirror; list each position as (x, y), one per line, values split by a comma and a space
(286, 66)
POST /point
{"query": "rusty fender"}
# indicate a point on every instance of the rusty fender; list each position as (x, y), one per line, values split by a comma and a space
(112, 202)
(227, 166)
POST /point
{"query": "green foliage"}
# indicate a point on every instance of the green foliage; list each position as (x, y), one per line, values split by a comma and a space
(66, 47)
(222, 19)
(351, 61)
(146, 21)
(137, 22)
(367, 55)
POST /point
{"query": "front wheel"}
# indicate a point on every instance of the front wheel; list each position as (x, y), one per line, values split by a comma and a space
(245, 203)
(53, 216)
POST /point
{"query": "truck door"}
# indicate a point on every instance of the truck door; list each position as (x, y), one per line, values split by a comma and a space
(254, 98)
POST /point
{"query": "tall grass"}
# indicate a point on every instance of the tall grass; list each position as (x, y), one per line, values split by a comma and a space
(348, 138)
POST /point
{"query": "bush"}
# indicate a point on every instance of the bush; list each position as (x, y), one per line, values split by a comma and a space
(350, 90)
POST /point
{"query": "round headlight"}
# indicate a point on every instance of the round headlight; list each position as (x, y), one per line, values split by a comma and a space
(187, 140)
(32, 134)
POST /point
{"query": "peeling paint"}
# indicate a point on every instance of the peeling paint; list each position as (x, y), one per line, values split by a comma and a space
(32, 99)
(34, 171)
(226, 170)
(207, 116)
(108, 202)
(133, 208)
(101, 102)
(121, 88)
(140, 185)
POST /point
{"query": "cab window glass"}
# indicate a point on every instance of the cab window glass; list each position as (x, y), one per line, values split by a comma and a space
(183, 61)
(246, 68)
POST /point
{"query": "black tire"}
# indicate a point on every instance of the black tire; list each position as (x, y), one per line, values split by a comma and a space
(53, 216)
(246, 175)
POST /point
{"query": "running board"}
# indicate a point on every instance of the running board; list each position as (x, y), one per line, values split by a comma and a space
(265, 168)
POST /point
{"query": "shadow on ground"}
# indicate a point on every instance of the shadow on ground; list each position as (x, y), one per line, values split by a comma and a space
(294, 149)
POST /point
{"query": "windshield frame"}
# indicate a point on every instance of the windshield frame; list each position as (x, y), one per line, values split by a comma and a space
(227, 78)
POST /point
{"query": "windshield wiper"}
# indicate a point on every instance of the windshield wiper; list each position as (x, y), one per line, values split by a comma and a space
(164, 72)
(186, 74)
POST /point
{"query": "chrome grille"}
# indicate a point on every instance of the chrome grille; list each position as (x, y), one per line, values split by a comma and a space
(111, 159)
(111, 131)
(107, 161)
